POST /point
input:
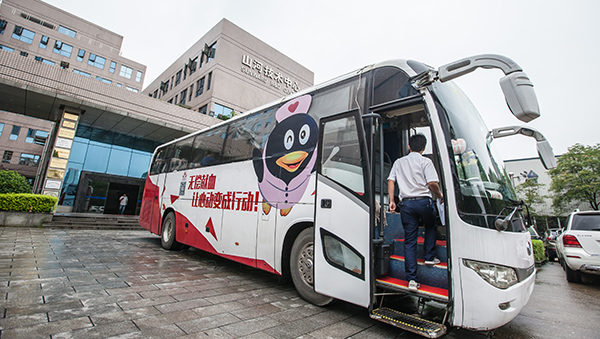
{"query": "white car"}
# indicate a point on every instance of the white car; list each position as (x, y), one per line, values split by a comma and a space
(578, 247)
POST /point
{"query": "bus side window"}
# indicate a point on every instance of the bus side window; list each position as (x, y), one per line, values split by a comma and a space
(181, 155)
(342, 160)
(160, 164)
(207, 148)
(389, 84)
(239, 144)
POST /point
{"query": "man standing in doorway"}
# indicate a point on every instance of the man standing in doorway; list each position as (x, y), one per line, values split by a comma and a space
(416, 178)
(123, 203)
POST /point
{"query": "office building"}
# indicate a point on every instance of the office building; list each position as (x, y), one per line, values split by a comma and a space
(102, 130)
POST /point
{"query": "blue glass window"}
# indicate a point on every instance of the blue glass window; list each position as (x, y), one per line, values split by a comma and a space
(44, 41)
(14, 134)
(118, 163)
(76, 71)
(138, 76)
(96, 159)
(66, 31)
(1, 127)
(200, 86)
(80, 55)
(48, 62)
(78, 150)
(6, 48)
(96, 60)
(113, 65)
(23, 34)
(126, 72)
(223, 112)
(62, 49)
(140, 161)
(104, 80)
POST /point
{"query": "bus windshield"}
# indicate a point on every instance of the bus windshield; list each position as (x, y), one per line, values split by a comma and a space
(483, 186)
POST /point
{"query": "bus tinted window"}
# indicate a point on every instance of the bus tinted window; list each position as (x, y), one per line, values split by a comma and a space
(391, 83)
(208, 147)
(246, 134)
(181, 154)
(160, 164)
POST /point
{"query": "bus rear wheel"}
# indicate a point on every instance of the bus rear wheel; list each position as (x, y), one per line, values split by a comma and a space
(301, 268)
(167, 237)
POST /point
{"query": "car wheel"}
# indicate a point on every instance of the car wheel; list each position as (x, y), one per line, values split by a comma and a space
(572, 276)
(301, 268)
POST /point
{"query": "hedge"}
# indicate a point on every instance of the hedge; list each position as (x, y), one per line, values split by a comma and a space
(26, 202)
(539, 251)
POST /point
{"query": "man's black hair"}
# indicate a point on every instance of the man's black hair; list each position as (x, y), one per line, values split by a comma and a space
(417, 142)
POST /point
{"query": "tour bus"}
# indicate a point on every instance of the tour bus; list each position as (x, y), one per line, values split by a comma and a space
(298, 188)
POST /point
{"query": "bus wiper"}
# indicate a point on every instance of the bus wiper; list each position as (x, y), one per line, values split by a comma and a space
(500, 223)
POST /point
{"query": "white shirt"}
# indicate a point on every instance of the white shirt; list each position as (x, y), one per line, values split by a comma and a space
(123, 201)
(412, 173)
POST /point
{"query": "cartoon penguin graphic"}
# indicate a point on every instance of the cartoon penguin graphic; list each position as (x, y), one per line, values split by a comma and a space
(284, 167)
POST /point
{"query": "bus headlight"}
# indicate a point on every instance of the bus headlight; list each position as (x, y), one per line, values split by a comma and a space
(498, 276)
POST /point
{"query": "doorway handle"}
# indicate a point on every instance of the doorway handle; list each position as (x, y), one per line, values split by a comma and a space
(326, 203)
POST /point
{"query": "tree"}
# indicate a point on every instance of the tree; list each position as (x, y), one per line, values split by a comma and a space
(575, 178)
(13, 182)
(529, 191)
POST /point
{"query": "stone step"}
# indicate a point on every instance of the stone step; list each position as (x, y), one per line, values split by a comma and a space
(94, 221)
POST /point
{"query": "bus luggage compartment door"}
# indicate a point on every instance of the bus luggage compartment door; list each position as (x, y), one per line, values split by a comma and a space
(341, 240)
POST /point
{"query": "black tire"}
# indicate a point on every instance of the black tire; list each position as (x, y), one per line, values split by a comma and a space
(301, 268)
(572, 276)
(167, 234)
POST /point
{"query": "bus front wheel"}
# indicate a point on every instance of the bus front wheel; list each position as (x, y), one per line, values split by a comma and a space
(301, 268)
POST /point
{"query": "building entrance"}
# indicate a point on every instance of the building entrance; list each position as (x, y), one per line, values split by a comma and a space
(99, 193)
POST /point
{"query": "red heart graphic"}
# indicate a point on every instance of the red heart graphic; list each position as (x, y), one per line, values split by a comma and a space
(293, 106)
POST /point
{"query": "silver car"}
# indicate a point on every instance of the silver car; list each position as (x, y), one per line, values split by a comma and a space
(578, 247)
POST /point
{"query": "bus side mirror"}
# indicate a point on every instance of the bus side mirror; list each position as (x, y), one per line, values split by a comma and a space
(546, 154)
(543, 146)
(520, 96)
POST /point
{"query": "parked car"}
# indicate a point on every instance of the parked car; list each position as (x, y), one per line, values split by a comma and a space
(578, 246)
(550, 242)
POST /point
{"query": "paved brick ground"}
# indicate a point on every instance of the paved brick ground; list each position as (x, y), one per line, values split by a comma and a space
(121, 284)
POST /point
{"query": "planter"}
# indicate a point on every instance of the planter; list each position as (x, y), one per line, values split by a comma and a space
(26, 219)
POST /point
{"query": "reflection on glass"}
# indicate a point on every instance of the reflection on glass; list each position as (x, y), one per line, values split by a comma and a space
(95, 159)
(118, 163)
(139, 164)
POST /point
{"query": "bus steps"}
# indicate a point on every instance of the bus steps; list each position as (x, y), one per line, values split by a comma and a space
(409, 322)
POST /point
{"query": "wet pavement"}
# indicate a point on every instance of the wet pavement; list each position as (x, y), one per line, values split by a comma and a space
(121, 284)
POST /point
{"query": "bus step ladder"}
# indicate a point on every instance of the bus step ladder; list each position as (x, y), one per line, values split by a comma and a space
(409, 322)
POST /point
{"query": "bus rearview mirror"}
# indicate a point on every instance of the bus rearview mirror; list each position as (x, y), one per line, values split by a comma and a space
(520, 96)
(546, 154)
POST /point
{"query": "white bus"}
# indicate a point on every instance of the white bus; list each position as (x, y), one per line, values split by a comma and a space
(294, 188)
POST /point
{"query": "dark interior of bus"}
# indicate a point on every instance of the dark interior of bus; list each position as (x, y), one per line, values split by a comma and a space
(399, 122)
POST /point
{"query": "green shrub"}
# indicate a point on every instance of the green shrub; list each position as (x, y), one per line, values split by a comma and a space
(13, 182)
(25, 202)
(539, 251)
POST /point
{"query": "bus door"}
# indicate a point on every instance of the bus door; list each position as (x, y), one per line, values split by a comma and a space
(342, 261)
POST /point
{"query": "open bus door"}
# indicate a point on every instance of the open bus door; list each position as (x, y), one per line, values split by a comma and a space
(342, 267)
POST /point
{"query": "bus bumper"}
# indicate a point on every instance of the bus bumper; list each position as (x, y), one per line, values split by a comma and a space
(486, 307)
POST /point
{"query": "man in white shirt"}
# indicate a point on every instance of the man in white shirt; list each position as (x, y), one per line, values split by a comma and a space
(123, 203)
(416, 178)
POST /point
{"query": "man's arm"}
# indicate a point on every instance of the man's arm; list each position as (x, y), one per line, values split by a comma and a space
(391, 189)
(435, 188)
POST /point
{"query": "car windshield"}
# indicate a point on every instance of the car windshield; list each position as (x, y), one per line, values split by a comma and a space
(483, 189)
(586, 222)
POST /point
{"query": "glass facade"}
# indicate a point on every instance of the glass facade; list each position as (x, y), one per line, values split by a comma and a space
(105, 152)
